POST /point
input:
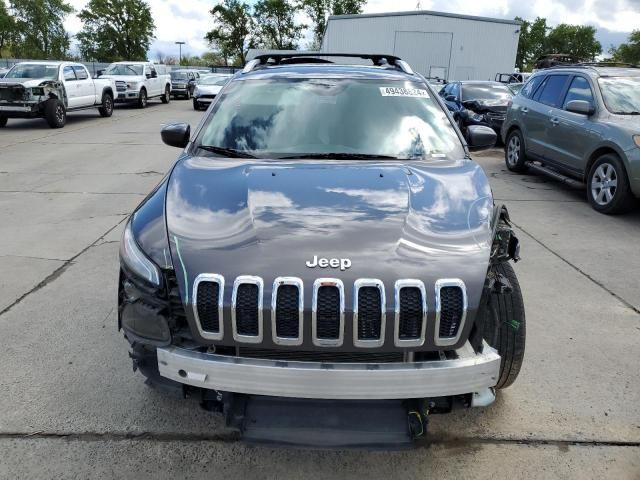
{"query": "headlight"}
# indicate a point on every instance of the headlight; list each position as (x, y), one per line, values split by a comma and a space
(37, 91)
(636, 139)
(132, 85)
(136, 260)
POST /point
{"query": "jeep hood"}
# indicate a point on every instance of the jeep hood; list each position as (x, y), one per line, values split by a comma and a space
(394, 219)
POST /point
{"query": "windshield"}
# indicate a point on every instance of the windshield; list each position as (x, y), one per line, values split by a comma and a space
(178, 76)
(485, 91)
(214, 81)
(621, 94)
(34, 70)
(124, 69)
(306, 117)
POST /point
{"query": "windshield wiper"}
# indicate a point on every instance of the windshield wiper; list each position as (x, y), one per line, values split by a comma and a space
(227, 152)
(341, 156)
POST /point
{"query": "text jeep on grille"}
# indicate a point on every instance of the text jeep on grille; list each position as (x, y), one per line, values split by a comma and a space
(324, 263)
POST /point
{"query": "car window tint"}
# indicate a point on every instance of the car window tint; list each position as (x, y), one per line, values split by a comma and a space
(68, 74)
(552, 89)
(579, 90)
(530, 87)
(81, 73)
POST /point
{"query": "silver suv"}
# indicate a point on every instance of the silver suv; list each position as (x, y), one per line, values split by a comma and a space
(580, 124)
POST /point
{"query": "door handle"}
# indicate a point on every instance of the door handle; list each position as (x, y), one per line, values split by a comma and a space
(524, 109)
(554, 121)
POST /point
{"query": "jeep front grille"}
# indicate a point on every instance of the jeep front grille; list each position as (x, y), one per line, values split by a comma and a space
(328, 311)
(451, 310)
(208, 292)
(286, 311)
(326, 356)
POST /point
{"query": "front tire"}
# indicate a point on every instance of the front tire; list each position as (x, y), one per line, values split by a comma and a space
(608, 188)
(55, 114)
(514, 154)
(167, 95)
(505, 327)
(106, 110)
(142, 99)
(3, 122)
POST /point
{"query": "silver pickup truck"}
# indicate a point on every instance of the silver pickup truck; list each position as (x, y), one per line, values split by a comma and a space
(50, 90)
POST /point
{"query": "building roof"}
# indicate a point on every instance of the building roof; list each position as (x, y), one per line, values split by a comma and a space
(425, 12)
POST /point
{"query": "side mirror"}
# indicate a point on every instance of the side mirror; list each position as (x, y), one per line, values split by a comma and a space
(99, 73)
(580, 106)
(480, 137)
(176, 134)
(450, 98)
(154, 74)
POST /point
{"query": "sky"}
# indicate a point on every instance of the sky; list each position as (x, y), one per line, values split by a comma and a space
(188, 21)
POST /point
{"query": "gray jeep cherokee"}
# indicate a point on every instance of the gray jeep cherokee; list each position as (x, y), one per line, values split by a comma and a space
(580, 124)
(324, 263)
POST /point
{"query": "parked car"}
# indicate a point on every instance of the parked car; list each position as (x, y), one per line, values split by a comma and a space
(477, 103)
(183, 82)
(515, 77)
(581, 125)
(324, 262)
(206, 90)
(137, 82)
(50, 90)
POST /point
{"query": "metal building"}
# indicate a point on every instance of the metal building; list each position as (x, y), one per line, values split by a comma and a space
(436, 44)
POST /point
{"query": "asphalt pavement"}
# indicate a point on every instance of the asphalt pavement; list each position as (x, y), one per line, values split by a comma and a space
(71, 407)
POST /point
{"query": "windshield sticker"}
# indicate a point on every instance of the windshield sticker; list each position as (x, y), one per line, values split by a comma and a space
(403, 92)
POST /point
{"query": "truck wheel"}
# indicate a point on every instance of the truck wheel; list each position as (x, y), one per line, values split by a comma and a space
(514, 155)
(106, 110)
(608, 186)
(167, 95)
(505, 327)
(142, 99)
(55, 113)
(3, 122)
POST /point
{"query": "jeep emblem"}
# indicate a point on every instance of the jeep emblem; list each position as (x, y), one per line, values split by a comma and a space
(342, 263)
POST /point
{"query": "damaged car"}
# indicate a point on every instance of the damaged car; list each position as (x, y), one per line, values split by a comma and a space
(324, 264)
(50, 90)
(477, 103)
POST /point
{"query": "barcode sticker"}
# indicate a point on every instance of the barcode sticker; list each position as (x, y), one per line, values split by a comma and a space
(403, 92)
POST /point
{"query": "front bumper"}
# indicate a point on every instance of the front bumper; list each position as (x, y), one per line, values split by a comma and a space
(471, 372)
(205, 98)
(19, 109)
(127, 96)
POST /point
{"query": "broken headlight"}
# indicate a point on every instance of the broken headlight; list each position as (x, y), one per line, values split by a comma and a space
(37, 91)
(135, 260)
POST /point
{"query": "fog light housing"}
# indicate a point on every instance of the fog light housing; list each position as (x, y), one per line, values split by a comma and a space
(145, 324)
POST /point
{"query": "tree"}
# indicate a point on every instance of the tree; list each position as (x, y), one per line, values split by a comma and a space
(276, 25)
(7, 28)
(531, 43)
(234, 30)
(319, 11)
(212, 58)
(628, 52)
(578, 40)
(116, 30)
(40, 31)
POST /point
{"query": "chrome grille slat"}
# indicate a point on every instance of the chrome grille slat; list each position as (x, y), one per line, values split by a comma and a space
(204, 279)
(327, 332)
(404, 312)
(451, 311)
(372, 319)
(246, 329)
(282, 321)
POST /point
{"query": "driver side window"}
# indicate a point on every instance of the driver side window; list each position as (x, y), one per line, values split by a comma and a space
(69, 74)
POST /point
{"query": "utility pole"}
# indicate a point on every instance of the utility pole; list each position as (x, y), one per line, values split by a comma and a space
(180, 45)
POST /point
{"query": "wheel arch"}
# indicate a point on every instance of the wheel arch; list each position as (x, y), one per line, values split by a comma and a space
(597, 153)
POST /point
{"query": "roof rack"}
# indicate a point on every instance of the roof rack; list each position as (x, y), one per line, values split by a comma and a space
(593, 65)
(319, 57)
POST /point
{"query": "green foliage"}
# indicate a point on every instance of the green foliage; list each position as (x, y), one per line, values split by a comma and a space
(276, 24)
(319, 11)
(531, 44)
(578, 40)
(7, 30)
(628, 52)
(116, 30)
(234, 30)
(39, 29)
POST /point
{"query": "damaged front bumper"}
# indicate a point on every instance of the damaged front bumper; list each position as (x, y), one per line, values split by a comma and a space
(20, 109)
(466, 372)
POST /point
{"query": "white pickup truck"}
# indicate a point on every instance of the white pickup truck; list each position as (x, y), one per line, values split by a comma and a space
(51, 89)
(138, 82)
